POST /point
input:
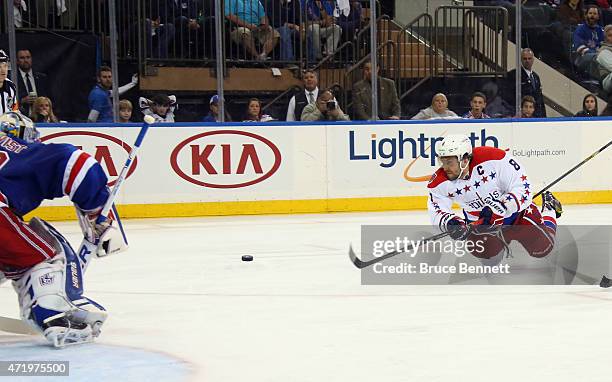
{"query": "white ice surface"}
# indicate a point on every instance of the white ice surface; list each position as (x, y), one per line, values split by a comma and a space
(183, 306)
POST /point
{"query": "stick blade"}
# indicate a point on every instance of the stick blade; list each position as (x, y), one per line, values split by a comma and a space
(354, 259)
(12, 325)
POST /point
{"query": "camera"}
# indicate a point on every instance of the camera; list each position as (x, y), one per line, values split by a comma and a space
(331, 105)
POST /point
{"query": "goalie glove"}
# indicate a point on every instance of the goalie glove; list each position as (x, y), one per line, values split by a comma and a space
(101, 232)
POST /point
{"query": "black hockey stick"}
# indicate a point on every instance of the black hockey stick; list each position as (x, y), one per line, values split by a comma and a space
(574, 168)
(362, 264)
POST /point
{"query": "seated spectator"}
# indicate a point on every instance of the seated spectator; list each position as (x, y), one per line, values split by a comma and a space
(304, 97)
(213, 113)
(160, 29)
(125, 111)
(527, 107)
(388, 101)
(496, 107)
(64, 11)
(321, 24)
(20, 10)
(589, 106)
(286, 18)
(478, 103)
(42, 111)
(570, 12)
(604, 60)
(251, 23)
(325, 109)
(587, 39)
(437, 110)
(352, 23)
(253, 113)
(188, 24)
(160, 106)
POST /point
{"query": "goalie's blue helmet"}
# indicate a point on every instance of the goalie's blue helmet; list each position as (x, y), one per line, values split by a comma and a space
(17, 125)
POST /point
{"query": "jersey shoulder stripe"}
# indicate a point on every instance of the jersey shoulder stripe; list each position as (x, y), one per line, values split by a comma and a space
(485, 153)
(437, 178)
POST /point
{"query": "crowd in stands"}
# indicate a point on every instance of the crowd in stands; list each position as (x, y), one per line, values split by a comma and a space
(263, 28)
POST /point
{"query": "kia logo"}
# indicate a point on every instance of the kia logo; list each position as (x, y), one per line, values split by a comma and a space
(103, 145)
(225, 159)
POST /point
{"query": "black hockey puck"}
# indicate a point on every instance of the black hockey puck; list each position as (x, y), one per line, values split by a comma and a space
(605, 282)
(247, 258)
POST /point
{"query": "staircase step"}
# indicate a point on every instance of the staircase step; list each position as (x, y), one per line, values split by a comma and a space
(409, 72)
(413, 60)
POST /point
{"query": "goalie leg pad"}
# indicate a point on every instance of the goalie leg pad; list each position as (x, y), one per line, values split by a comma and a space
(51, 298)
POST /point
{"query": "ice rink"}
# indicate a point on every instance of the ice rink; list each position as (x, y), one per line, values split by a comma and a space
(183, 306)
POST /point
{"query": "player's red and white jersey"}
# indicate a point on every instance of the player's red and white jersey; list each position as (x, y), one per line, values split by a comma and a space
(493, 173)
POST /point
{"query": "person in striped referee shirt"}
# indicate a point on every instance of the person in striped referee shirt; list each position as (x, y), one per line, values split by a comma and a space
(8, 90)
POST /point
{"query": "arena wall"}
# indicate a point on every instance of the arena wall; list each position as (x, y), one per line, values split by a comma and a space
(191, 169)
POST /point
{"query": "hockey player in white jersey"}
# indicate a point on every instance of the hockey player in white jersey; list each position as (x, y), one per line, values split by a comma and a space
(493, 189)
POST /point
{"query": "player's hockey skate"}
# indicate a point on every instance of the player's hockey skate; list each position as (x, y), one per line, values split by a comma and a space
(549, 202)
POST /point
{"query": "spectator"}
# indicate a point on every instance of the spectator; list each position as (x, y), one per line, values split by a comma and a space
(587, 39)
(30, 84)
(497, 107)
(589, 106)
(478, 103)
(437, 110)
(19, 12)
(570, 12)
(8, 90)
(100, 104)
(251, 24)
(388, 101)
(42, 111)
(530, 82)
(286, 18)
(253, 112)
(325, 109)
(309, 95)
(321, 24)
(160, 29)
(125, 111)
(64, 11)
(527, 107)
(604, 59)
(161, 107)
(351, 23)
(213, 114)
(188, 24)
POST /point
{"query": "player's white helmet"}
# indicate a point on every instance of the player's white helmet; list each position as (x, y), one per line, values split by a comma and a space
(17, 125)
(455, 145)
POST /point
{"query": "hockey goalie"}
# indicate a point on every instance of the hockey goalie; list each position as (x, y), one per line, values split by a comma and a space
(46, 272)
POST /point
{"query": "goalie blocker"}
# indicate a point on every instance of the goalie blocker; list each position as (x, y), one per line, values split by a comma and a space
(103, 238)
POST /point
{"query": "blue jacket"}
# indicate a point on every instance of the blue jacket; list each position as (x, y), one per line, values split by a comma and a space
(587, 39)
